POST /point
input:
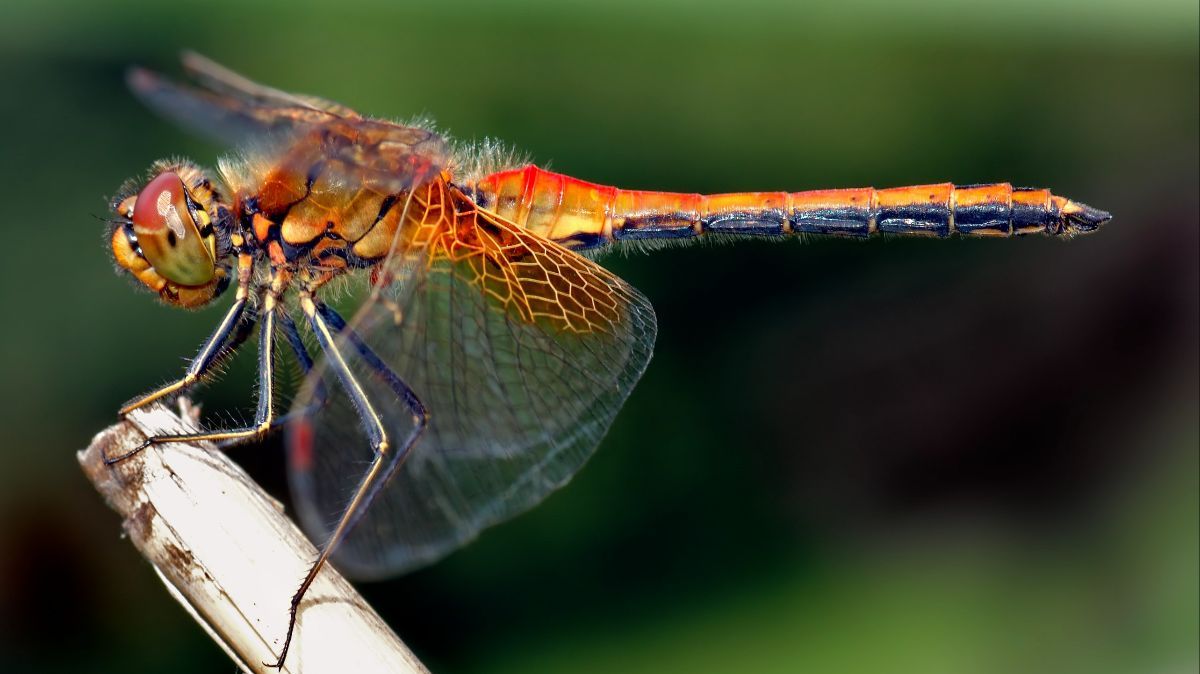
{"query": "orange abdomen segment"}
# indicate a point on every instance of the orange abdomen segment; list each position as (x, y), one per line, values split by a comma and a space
(554, 206)
(584, 215)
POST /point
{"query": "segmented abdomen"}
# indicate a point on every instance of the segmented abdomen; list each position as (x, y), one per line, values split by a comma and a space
(584, 215)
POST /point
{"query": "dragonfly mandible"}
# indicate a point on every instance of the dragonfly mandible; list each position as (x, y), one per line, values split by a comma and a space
(490, 352)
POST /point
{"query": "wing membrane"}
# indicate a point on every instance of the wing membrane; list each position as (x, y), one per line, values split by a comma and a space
(521, 350)
(221, 116)
(293, 132)
(224, 81)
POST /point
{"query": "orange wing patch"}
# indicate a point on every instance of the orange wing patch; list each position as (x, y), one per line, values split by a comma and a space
(531, 277)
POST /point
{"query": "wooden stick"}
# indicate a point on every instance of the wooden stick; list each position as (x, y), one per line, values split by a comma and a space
(231, 557)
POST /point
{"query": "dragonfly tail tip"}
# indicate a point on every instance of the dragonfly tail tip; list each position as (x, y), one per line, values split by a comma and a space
(1079, 218)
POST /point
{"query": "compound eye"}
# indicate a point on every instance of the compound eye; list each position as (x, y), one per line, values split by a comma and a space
(167, 233)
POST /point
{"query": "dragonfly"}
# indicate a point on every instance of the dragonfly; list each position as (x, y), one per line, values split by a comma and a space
(488, 352)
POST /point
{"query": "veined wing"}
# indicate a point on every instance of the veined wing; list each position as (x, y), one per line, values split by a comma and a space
(224, 81)
(293, 132)
(522, 352)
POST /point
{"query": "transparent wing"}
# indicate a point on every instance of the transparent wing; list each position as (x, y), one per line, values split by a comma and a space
(222, 80)
(293, 132)
(223, 114)
(521, 350)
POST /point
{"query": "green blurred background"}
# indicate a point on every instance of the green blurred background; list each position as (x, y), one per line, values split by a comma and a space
(899, 455)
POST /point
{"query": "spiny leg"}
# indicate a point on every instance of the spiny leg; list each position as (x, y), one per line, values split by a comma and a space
(386, 460)
(189, 411)
(264, 415)
(211, 350)
(381, 370)
(241, 333)
(212, 347)
(209, 353)
(320, 396)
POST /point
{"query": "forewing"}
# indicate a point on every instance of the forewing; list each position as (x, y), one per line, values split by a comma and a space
(521, 350)
(224, 81)
(292, 132)
(222, 116)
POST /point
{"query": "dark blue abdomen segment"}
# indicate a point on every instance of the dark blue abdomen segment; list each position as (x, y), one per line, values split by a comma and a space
(642, 228)
(845, 212)
(982, 219)
(770, 222)
(939, 210)
(932, 219)
(1031, 211)
(846, 221)
(921, 209)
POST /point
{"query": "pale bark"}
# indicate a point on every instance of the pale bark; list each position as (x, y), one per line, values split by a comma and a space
(232, 558)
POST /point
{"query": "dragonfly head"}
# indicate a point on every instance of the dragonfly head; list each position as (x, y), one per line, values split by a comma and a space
(171, 235)
(1076, 218)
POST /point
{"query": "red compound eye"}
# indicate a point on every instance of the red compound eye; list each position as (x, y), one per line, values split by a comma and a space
(161, 204)
(167, 234)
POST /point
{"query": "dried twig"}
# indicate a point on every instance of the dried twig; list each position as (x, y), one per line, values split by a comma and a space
(228, 553)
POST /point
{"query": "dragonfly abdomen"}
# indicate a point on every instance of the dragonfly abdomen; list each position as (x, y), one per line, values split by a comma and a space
(584, 215)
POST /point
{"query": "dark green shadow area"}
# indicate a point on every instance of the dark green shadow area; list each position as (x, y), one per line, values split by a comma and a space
(898, 455)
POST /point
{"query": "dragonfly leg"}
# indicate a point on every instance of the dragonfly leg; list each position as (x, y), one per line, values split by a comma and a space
(320, 396)
(399, 387)
(212, 350)
(387, 460)
(216, 345)
(264, 415)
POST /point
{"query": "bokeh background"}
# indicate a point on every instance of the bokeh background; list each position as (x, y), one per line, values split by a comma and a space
(896, 455)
